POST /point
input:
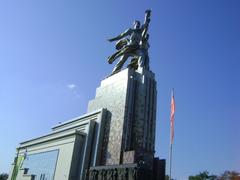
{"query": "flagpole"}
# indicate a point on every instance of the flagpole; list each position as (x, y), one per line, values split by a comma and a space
(170, 161)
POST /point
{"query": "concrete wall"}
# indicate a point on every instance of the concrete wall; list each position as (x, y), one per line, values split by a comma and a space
(65, 146)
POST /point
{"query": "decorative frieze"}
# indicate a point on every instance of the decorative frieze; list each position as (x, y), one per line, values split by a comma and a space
(119, 172)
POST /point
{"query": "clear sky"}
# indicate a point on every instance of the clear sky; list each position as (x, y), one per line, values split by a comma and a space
(53, 56)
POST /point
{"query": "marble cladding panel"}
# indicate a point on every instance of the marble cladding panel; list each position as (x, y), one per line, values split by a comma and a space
(145, 113)
(112, 95)
(128, 157)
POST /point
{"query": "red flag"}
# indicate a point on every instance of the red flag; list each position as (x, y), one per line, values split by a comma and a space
(172, 117)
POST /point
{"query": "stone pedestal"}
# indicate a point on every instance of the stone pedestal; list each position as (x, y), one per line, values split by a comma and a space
(130, 99)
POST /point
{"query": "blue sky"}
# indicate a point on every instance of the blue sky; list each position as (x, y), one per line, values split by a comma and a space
(53, 56)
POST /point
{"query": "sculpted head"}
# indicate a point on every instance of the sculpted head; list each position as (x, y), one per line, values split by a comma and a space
(136, 24)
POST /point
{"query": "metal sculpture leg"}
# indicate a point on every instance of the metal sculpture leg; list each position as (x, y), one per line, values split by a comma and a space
(119, 65)
(143, 61)
(146, 63)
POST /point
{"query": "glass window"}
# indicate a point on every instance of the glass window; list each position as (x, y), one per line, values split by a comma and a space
(41, 164)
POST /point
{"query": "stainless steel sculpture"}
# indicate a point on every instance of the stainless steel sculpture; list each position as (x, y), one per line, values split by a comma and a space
(132, 43)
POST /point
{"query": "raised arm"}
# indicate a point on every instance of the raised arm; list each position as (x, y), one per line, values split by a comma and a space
(122, 35)
(147, 16)
(146, 19)
(144, 34)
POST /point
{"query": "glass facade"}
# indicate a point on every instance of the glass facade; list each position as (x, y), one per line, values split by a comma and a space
(42, 165)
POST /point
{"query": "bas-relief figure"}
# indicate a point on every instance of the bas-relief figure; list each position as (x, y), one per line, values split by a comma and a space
(132, 43)
(120, 173)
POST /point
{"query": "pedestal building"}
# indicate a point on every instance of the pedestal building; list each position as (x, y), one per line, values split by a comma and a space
(130, 98)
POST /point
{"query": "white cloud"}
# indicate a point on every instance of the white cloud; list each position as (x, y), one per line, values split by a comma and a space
(71, 86)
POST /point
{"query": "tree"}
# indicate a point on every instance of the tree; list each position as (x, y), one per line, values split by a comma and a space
(167, 177)
(202, 176)
(3, 176)
(230, 175)
(227, 175)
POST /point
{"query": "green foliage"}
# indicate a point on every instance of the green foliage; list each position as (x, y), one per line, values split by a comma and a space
(167, 177)
(201, 176)
(3, 176)
(230, 175)
(227, 175)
